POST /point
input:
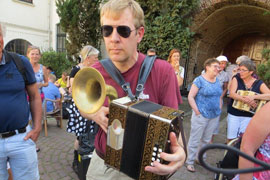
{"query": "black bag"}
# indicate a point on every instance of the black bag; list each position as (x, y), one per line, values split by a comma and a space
(86, 148)
(230, 161)
(87, 139)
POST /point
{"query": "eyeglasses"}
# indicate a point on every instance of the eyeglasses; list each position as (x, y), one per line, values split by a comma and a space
(123, 31)
(242, 70)
(215, 66)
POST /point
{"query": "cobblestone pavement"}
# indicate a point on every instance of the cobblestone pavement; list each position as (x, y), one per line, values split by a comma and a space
(56, 155)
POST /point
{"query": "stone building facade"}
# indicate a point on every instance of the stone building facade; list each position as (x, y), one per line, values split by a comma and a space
(228, 27)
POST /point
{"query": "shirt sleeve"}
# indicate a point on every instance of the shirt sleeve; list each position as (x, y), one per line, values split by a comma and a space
(197, 82)
(30, 74)
(73, 72)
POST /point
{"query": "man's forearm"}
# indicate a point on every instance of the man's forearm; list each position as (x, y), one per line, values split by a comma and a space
(36, 112)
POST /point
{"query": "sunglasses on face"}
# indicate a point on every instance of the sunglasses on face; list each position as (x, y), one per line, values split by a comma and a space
(123, 31)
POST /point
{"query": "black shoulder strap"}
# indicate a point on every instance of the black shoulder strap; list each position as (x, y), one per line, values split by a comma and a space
(144, 73)
(18, 62)
(116, 75)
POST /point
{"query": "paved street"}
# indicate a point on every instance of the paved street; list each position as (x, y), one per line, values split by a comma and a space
(56, 155)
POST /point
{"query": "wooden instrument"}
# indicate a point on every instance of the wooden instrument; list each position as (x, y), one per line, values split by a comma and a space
(245, 107)
(137, 133)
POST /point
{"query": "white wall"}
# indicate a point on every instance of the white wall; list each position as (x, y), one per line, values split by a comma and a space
(32, 22)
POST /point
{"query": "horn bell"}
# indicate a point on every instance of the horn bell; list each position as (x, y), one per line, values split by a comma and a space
(89, 90)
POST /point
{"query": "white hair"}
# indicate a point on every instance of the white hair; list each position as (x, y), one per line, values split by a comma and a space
(242, 58)
(88, 51)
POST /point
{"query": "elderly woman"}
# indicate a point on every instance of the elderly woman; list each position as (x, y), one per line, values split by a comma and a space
(256, 142)
(238, 120)
(173, 59)
(77, 124)
(205, 100)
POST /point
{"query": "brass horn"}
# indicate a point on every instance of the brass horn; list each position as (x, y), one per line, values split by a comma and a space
(89, 90)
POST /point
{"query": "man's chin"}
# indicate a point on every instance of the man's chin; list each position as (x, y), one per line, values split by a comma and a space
(116, 57)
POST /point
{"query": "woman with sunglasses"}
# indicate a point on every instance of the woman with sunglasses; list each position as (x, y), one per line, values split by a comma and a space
(173, 59)
(205, 100)
(76, 123)
(237, 119)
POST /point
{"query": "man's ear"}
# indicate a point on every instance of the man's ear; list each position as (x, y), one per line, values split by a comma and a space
(140, 33)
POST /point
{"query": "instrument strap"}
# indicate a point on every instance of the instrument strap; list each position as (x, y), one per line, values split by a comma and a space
(117, 76)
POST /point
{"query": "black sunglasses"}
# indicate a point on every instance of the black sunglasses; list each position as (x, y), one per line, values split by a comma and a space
(123, 31)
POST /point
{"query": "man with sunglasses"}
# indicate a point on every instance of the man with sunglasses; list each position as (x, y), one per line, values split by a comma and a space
(123, 28)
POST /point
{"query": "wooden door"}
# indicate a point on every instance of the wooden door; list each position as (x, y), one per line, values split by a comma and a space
(250, 45)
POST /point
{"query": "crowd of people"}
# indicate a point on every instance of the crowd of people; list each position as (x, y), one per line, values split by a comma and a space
(122, 24)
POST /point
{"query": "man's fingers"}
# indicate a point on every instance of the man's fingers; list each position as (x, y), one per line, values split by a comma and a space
(161, 169)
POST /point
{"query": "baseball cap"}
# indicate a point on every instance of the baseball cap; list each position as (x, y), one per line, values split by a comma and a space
(222, 58)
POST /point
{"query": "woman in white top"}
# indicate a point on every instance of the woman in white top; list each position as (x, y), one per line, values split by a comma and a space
(174, 60)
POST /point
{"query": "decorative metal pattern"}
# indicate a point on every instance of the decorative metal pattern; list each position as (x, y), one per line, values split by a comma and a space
(113, 157)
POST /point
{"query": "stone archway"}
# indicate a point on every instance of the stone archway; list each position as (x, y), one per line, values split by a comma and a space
(218, 23)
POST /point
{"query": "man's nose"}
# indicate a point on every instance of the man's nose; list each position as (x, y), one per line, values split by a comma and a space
(115, 37)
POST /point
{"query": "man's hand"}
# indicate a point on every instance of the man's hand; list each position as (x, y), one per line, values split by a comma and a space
(176, 159)
(100, 117)
(33, 134)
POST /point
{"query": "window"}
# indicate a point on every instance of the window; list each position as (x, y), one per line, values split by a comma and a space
(61, 39)
(28, 1)
(18, 45)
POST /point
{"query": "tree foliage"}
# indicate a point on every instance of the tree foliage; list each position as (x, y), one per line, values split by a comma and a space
(57, 61)
(80, 20)
(264, 68)
(167, 25)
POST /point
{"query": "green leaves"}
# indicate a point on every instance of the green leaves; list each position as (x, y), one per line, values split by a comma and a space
(57, 61)
(167, 23)
(80, 20)
(263, 69)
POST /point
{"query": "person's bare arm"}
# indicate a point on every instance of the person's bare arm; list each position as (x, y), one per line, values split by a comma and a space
(36, 111)
(191, 98)
(45, 77)
(253, 138)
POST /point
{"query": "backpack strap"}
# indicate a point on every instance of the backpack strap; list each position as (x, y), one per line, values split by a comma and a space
(143, 75)
(19, 64)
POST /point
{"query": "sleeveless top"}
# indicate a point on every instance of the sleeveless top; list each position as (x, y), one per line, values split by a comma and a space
(263, 154)
(241, 86)
(39, 76)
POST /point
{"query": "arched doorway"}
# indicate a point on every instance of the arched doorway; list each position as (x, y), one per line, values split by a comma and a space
(248, 44)
(18, 45)
(218, 25)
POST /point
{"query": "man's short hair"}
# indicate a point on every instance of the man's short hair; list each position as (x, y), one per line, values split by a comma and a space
(52, 77)
(114, 9)
(151, 50)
